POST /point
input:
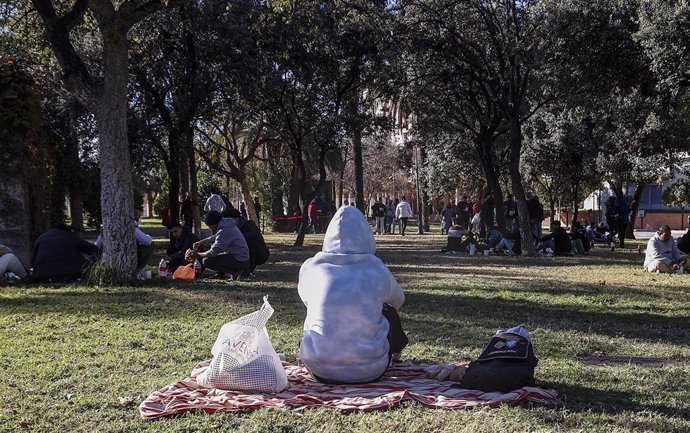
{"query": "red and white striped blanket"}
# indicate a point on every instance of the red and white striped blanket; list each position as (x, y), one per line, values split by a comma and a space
(402, 381)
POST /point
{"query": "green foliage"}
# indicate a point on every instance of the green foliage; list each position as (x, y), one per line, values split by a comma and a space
(99, 275)
(18, 96)
(678, 194)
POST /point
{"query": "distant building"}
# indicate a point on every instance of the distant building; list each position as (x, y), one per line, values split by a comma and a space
(652, 211)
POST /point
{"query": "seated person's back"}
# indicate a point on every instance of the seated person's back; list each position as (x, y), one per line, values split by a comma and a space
(345, 287)
(60, 253)
(684, 243)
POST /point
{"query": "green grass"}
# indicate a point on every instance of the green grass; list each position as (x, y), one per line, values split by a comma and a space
(67, 353)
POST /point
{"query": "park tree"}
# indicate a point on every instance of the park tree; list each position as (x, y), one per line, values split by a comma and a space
(307, 87)
(561, 155)
(23, 158)
(103, 91)
(678, 195)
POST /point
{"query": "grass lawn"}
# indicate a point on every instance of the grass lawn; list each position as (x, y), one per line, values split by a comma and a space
(68, 353)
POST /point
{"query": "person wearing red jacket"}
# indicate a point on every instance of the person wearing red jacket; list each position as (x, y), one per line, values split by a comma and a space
(313, 214)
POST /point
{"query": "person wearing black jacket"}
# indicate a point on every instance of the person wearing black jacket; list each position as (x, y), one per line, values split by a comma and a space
(60, 254)
(578, 233)
(258, 250)
(181, 240)
(558, 240)
(683, 242)
(462, 212)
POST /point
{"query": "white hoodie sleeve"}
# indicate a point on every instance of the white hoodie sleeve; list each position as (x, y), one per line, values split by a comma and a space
(396, 296)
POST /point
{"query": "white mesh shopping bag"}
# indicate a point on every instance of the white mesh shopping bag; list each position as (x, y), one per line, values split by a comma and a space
(243, 357)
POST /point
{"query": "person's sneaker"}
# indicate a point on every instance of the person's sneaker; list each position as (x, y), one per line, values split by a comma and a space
(141, 274)
(252, 275)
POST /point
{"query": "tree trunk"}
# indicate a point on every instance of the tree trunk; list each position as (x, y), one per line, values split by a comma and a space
(248, 199)
(76, 207)
(527, 240)
(14, 194)
(630, 230)
(485, 151)
(188, 143)
(119, 247)
(173, 188)
(576, 201)
(294, 196)
(359, 168)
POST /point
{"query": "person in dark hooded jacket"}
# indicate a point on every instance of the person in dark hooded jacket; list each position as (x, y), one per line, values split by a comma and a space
(558, 240)
(60, 253)
(181, 240)
(258, 250)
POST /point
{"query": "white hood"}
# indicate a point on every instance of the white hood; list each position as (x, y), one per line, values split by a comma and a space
(349, 233)
(344, 288)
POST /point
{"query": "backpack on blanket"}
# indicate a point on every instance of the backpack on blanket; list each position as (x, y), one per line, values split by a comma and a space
(507, 363)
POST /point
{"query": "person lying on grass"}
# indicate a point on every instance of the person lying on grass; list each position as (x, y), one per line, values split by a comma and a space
(352, 329)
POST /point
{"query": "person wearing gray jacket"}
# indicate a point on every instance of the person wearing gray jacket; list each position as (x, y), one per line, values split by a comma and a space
(662, 254)
(228, 252)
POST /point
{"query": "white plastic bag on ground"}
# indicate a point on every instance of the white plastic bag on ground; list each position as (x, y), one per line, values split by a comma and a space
(243, 357)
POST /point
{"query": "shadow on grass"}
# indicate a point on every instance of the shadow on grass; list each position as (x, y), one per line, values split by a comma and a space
(170, 301)
(494, 312)
(577, 398)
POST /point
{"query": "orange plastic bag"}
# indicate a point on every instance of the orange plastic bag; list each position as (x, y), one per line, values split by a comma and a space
(184, 273)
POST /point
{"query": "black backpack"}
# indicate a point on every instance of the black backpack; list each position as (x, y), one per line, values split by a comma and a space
(506, 364)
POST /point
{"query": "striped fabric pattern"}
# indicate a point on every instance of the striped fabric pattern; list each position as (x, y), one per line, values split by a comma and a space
(402, 381)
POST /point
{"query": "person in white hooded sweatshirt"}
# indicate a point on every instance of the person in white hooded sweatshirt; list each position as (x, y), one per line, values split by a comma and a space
(352, 329)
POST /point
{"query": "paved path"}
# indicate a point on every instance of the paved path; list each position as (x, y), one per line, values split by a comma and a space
(646, 234)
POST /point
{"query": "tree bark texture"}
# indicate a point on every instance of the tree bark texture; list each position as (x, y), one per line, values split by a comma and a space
(485, 151)
(14, 193)
(76, 206)
(634, 207)
(528, 247)
(119, 247)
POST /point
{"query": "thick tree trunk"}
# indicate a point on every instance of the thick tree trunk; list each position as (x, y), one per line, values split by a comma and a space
(248, 199)
(635, 206)
(119, 247)
(484, 148)
(183, 164)
(174, 190)
(528, 247)
(14, 193)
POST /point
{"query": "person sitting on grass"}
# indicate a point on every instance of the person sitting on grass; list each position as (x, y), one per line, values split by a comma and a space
(228, 252)
(511, 242)
(60, 254)
(493, 237)
(579, 240)
(662, 253)
(453, 244)
(352, 330)
(10, 265)
(602, 233)
(558, 240)
(683, 242)
(258, 250)
(181, 240)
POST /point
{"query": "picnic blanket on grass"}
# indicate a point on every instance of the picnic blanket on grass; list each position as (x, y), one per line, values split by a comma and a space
(402, 381)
